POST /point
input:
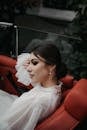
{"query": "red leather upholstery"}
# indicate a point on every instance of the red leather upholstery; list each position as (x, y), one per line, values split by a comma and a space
(76, 101)
(71, 111)
(7, 61)
(5, 84)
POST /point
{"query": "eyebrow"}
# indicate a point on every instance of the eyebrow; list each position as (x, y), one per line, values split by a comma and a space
(41, 59)
(34, 59)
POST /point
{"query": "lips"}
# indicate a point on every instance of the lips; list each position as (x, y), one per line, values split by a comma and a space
(31, 75)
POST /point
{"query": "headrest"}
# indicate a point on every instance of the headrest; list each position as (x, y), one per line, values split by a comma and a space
(68, 81)
(76, 101)
(7, 61)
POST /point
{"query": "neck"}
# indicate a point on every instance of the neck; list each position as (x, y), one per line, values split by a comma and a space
(49, 83)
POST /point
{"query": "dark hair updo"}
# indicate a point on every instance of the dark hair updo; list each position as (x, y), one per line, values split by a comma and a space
(49, 51)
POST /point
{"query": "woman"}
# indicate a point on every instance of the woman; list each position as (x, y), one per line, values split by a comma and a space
(45, 68)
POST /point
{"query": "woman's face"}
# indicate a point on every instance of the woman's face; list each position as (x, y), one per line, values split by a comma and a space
(38, 69)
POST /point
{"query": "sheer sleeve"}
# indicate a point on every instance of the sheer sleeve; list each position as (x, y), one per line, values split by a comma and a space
(34, 117)
(25, 122)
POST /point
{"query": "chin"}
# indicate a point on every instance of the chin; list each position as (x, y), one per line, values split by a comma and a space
(33, 82)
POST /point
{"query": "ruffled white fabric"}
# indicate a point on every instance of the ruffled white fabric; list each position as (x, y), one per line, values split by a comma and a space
(22, 74)
(32, 107)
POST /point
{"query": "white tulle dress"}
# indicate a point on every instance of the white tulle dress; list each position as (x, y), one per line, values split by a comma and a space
(24, 112)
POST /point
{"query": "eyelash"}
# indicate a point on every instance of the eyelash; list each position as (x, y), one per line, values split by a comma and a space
(34, 62)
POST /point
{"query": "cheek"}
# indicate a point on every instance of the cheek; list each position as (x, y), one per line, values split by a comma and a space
(42, 75)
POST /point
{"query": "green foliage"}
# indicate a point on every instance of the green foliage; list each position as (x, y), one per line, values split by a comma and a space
(78, 58)
(76, 4)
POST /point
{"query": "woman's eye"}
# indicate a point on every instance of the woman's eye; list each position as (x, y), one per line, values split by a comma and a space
(34, 62)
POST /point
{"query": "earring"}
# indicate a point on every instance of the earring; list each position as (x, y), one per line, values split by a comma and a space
(50, 75)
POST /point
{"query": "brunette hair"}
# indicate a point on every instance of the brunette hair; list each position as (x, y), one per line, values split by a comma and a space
(50, 52)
